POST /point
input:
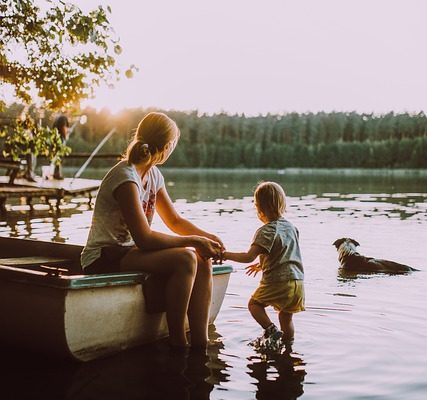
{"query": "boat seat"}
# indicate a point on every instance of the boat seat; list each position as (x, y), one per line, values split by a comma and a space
(34, 261)
(52, 265)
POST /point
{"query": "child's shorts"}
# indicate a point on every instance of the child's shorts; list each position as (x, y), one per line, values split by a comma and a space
(285, 296)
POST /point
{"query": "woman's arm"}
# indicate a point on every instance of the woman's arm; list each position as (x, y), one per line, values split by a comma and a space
(177, 223)
(145, 238)
(244, 257)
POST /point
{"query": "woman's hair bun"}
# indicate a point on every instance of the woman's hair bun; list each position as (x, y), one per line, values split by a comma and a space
(138, 152)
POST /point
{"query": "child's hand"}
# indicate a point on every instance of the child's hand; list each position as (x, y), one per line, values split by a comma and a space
(253, 269)
(218, 259)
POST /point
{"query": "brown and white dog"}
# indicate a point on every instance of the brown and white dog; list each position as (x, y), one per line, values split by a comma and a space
(351, 260)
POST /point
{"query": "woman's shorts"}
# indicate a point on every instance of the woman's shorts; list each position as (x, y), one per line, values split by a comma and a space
(285, 296)
(109, 261)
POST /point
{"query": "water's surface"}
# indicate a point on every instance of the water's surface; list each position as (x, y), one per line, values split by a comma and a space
(361, 338)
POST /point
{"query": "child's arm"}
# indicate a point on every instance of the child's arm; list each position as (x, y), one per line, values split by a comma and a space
(244, 257)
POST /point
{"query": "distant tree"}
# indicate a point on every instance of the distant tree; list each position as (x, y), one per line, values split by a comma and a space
(327, 140)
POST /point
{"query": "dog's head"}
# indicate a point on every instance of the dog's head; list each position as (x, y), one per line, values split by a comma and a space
(339, 242)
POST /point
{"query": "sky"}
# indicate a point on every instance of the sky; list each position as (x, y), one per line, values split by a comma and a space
(277, 56)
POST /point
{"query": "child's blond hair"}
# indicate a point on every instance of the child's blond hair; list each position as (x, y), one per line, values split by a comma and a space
(270, 199)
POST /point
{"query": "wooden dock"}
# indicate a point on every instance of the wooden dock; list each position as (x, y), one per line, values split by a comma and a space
(46, 189)
(14, 168)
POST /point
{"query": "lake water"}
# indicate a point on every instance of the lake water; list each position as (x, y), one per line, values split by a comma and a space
(361, 337)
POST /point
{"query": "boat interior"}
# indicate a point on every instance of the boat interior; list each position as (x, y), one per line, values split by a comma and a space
(50, 257)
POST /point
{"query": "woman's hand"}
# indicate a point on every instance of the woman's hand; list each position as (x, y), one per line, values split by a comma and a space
(208, 248)
(218, 258)
(253, 269)
(216, 239)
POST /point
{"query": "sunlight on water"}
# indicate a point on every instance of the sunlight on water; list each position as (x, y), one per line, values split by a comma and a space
(360, 337)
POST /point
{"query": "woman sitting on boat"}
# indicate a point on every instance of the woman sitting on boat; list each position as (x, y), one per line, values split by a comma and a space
(121, 238)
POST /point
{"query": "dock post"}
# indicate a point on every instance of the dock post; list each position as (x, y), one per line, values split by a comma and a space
(3, 205)
(28, 201)
(59, 195)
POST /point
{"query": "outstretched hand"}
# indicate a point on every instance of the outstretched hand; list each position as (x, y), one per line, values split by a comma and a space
(253, 269)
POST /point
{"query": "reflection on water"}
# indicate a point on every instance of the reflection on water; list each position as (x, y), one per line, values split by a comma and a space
(346, 276)
(210, 185)
(281, 374)
(207, 185)
(360, 337)
(69, 222)
(147, 372)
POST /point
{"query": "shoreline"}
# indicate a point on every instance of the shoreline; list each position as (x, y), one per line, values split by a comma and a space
(308, 171)
(398, 172)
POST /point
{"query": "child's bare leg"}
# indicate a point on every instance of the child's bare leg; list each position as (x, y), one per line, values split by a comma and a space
(180, 264)
(257, 311)
(287, 326)
(200, 301)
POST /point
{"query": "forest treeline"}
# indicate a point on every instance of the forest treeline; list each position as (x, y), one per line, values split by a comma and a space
(314, 140)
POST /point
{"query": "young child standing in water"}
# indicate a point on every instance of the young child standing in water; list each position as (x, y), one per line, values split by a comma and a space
(282, 286)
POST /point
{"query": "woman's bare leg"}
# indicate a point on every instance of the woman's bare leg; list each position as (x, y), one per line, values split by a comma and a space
(180, 264)
(200, 301)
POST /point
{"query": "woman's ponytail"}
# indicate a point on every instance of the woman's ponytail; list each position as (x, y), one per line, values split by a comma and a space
(137, 152)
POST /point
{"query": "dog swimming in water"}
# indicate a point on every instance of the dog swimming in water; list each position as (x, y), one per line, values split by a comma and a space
(351, 260)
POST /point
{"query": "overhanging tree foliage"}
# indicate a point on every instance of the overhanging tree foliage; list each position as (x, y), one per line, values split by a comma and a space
(30, 138)
(52, 54)
(52, 50)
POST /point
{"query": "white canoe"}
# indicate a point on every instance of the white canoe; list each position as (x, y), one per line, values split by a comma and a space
(82, 317)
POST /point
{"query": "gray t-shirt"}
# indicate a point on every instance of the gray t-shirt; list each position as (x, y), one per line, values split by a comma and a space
(108, 227)
(282, 261)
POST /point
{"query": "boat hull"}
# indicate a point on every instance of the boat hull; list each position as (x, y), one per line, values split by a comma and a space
(83, 317)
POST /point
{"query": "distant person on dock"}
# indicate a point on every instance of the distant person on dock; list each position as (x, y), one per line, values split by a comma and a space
(30, 174)
(282, 284)
(121, 238)
(31, 160)
(61, 124)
